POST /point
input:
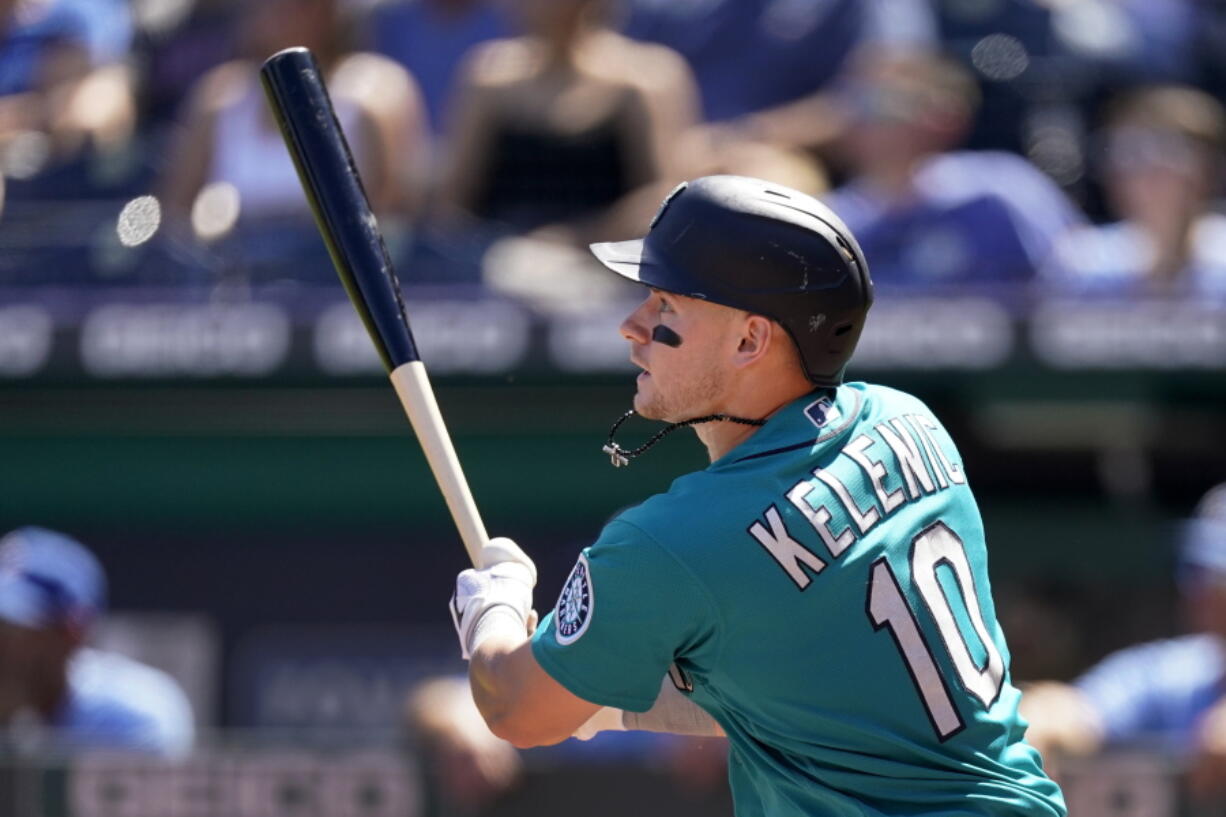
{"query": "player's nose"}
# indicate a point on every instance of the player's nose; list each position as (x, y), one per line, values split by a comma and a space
(634, 327)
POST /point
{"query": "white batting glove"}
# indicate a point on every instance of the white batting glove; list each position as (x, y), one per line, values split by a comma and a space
(495, 597)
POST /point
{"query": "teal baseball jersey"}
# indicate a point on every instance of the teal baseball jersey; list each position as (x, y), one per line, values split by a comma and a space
(822, 591)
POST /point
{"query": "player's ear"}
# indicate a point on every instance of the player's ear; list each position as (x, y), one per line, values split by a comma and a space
(757, 335)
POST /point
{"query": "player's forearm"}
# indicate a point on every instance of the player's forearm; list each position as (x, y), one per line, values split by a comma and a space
(496, 684)
(506, 688)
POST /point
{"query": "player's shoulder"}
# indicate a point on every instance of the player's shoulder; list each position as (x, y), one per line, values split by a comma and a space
(657, 543)
(647, 522)
(879, 401)
(667, 523)
(885, 407)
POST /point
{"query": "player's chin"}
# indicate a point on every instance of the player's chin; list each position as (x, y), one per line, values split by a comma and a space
(647, 404)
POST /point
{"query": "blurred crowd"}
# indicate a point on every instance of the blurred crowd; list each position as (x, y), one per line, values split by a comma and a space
(59, 693)
(1011, 147)
(1164, 696)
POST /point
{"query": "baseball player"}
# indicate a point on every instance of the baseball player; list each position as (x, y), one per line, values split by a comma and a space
(819, 594)
(76, 697)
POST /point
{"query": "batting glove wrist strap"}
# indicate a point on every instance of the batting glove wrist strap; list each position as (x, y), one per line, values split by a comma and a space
(495, 598)
(500, 620)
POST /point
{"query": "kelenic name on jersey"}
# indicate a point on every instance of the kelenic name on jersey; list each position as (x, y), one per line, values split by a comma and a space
(915, 463)
(574, 609)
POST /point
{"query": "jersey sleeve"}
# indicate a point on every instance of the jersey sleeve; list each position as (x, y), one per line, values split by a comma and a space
(627, 611)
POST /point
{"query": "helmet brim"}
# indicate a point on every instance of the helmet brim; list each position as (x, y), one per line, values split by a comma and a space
(623, 257)
(634, 261)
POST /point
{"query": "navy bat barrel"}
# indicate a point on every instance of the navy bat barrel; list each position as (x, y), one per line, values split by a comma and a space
(303, 109)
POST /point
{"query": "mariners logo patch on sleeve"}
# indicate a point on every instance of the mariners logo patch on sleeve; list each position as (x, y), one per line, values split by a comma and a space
(574, 609)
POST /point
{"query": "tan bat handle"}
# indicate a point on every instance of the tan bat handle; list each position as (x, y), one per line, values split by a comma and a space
(413, 388)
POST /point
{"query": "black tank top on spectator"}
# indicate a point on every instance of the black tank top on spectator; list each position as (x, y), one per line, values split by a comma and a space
(538, 177)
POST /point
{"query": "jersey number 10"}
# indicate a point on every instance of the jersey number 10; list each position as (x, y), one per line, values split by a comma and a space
(934, 546)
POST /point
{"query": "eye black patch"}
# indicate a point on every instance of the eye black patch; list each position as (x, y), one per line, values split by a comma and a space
(662, 334)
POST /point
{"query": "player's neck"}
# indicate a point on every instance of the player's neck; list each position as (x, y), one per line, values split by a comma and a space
(721, 437)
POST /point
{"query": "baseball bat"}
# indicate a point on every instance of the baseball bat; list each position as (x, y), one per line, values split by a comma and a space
(295, 89)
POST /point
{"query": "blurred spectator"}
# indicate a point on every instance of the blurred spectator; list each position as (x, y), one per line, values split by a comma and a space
(760, 158)
(1024, 74)
(766, 68)
(1208, 34)
(1130, 41)
(1164, 695)
(1162, 167)
(762, 68)
(63, 86)
(230, 167)
(926, 217)
(430, 39)
(1045, 66)
(570, 130)
(468, 770)
(51, 591)
(179, 40)
(467, 767)
(900, 25)
(753, 55)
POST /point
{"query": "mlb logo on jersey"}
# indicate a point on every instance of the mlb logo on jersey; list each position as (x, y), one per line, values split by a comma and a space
(574, 608)
(822, 412)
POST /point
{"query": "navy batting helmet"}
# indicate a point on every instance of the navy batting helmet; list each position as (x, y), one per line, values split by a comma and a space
(764, 248)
